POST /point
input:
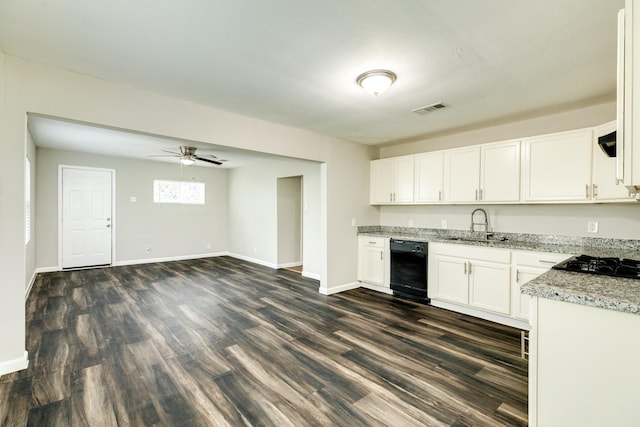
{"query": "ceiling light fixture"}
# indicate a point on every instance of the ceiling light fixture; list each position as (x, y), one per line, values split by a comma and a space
(187, 161)
(376, 81)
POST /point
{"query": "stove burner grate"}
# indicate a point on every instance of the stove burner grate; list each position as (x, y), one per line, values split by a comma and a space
(615, 267)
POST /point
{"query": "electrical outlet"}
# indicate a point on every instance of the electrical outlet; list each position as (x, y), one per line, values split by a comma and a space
(354, 222)
(592, 227)
(410, 223)
(444, 224)
(208, 245)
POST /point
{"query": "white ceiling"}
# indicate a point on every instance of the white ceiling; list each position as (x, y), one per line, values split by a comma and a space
(82, 137)
(295, 62)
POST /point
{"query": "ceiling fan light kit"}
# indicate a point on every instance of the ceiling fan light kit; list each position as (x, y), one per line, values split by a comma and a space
(376, 81)
(187, 156)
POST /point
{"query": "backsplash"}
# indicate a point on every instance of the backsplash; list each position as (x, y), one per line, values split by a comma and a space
(415, 232)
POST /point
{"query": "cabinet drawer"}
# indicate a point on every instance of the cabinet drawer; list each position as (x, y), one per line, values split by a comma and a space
(472, 252)
(377, 242)
(538, 259)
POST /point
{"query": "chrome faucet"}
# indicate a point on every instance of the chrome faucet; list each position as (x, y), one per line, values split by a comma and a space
(485, 223)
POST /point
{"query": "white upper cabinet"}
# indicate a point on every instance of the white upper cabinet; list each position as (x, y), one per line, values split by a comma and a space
(462, 175)
(500, 172)
(628, 97)
(557, 167)
(392, 180)
(484, 173)
(429, 179)
(604, 185)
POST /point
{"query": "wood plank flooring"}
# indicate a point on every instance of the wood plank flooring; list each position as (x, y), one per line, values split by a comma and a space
(220, 341)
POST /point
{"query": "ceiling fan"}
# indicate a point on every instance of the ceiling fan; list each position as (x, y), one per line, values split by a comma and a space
(187, 156)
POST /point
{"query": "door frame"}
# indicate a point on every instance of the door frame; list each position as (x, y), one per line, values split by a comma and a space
(113, 209)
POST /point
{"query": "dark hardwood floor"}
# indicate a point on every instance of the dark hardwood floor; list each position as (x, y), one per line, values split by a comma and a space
(219, 341)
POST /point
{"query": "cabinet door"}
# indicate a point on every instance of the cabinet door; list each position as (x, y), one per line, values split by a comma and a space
(462, 175)
(604, 180)
(489, 286)
(451, 279)
(403, 179)
(500, 172)
(372, 265)
(429, 177)
(558, 167)
(381, 181)
(519, 301)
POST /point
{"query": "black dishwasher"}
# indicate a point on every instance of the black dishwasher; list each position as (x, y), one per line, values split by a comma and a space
(409, 269)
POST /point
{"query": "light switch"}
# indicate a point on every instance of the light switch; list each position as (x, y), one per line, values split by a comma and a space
(133, 199)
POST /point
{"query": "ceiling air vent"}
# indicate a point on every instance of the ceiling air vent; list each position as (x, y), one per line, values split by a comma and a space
(429, 108)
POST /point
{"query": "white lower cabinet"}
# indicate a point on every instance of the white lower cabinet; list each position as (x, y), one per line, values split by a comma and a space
(471, 275)
(527, 265)
(373, 260)
(485, 282)
(583, 365)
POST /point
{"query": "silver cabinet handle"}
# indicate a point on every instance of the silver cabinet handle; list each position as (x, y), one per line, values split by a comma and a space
(544, 261)
(108, 225)
(517, 276)
(476, 194)
(439, 195)
(595, 190)
(381, 256)
(469, 267)
(391, 197)
(465, 267)
(587, 191)
(481, 194)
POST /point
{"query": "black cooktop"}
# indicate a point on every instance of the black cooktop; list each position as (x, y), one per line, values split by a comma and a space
(615, 267)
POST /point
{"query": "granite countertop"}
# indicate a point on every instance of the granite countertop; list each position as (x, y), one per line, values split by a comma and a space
(611, 293)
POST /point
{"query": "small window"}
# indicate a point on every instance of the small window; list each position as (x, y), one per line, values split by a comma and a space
(187, 192)
(27, 201)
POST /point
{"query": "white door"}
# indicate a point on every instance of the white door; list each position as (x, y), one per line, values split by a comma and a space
(86, 217)
(381, 181)
(500, 172)
(489, 287)
(403, 179)
(452, 281)
(462, 175)
(429, 177)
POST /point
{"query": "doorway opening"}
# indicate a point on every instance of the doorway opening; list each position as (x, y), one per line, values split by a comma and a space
(290, 221)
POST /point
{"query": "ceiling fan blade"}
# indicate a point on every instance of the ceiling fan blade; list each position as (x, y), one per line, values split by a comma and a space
(172, 152)
(163, 155)
(215, 162)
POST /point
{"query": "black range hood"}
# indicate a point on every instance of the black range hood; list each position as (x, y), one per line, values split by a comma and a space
(608, 144)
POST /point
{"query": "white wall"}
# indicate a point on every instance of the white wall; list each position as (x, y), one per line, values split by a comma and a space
(620, 221)
(615, 220)
(171, 230)
(289, 212)
(31, 87)
(30, 250)
(253, 211)
(13, 264)
(575, 119)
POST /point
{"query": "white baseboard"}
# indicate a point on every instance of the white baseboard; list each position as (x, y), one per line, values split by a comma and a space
(167, 259)
(340, 288)
(35, 275)
(14, 365)
(383, 289)
(47, 269)
(504, 320)
(253, 260)
(289, 264)
(310, 275)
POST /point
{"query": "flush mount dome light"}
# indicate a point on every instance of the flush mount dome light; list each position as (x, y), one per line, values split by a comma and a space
(376, 81)
(187, 161)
